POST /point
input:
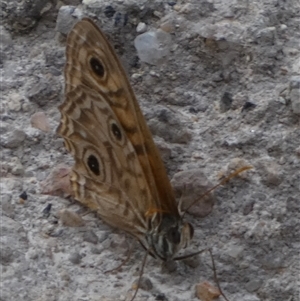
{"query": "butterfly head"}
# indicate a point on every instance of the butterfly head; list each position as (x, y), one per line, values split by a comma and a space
(169, 237)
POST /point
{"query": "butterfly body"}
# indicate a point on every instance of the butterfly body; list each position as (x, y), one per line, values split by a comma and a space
(118, 171)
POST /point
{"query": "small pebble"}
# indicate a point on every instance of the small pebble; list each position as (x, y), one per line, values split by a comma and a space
(248, 105)
(145, 284)
(17, 168)
(109, 11)
(141, 27)
(273, 261)
(153, 46)
(23, 196)
(13, 138)
(7, 206)
(15, 102)
(64, 20)
(46, 210)
(295, 100)
(40, 121)
(189, 186)
(75, 258)
(225, 102)
(167, 26)
(248, 207)
(253, 285)
(169, 266)
(65, 276)
(91, 237)
(70, 218)
(161, 297)
(205, 291)
(234, 251)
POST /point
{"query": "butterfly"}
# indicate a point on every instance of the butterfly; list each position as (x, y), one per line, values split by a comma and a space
(118, 171)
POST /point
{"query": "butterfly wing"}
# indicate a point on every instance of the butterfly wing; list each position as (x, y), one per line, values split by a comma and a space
(118, 170)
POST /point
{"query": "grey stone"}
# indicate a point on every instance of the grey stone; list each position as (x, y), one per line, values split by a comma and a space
(141, 27)
(23, 15)
(192, 261)
(189, 186)
(56, 59)
(13, 236)
(91, 237)
(15, 102)
(153, 46)
(164, 148)
(270, 171)
(75, 258)
(167, 125)
(273, 261)
(13, 138)
(234, 250)
(295, 82)
(96, 251)
(223, 34)
(65, 20)
(144, 283)
(295, 100)
(70, 218)
(93, 3)
(6, 255)
(225, 102)
(34, 136)
(292, 204)
(5, 38)
(16, 166)
(253, 285)
(248, 207)
(7, 206)
(266, 35)
(169, 266)
(43, 90)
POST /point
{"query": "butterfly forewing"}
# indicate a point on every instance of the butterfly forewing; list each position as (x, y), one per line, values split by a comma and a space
(118, 170)
(85, 45)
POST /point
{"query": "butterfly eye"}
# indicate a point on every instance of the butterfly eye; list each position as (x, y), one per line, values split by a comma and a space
(93, 165)
(116, 131)
(97, 66)
(174, 236)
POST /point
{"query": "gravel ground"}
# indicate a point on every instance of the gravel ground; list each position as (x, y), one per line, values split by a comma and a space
(226, 93)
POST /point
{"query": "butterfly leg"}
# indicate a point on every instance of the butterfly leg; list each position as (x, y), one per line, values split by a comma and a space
(140, 276)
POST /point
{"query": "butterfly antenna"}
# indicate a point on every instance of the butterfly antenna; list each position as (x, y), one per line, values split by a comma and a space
(140, 276)
(215, 275)
(225, 180)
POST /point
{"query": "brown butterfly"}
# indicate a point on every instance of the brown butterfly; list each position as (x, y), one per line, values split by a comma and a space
(118, 170)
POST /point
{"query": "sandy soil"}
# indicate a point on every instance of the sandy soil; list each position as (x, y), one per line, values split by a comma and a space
(226, 94)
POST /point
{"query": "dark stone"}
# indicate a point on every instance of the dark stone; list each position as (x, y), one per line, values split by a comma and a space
(226, 101)
(109, 11)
